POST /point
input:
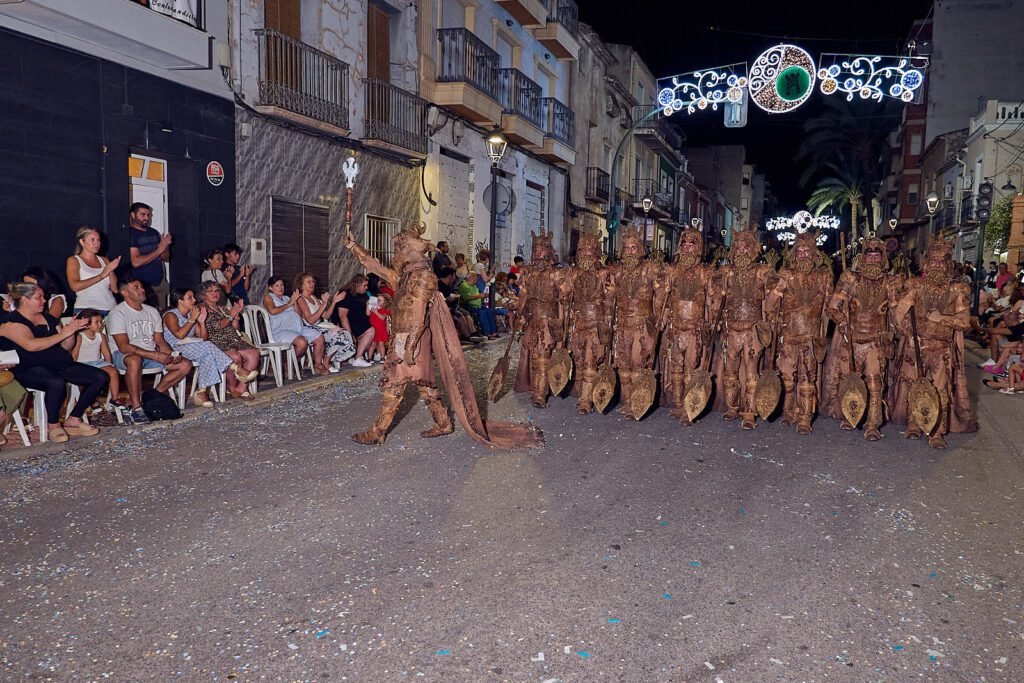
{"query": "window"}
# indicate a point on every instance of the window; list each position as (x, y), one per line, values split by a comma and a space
(912, 194)
(915, 144)
(378, 43)
(640, 93)
(283, 16)
(379, 232)
(299, 239)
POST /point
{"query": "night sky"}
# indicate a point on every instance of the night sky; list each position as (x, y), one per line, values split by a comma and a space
(708, 34)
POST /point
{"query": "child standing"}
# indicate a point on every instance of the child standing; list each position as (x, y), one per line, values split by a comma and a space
(377, 308)
(91, 348)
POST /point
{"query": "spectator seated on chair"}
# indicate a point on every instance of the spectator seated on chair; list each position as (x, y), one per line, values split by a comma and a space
(12, 396)
(222, 331)
(91, 348)
(185, 331)
(338, 343)
(56, 303)
(350, 314)
(472, 298)
(464, 321)
(137, 341)
(1006, 325)
(45, 364)
(287, 324)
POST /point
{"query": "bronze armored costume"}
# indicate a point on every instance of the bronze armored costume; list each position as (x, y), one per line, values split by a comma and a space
(745, 332)
(636, 292)
(423, 333)
(798, 303)
(589, 318)
(543, 325)
(686, 320)
(941, 306)
(862, 307)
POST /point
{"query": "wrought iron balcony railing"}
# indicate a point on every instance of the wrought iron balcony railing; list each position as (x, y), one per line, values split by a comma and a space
(625, 200)
(559, 121)
(566, 13)
(646, 187)
(520, 96)
(599, 184)
(298, 77)
(395, 116)
(466, 59)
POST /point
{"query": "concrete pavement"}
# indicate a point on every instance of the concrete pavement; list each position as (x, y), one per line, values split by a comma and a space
(260, 543)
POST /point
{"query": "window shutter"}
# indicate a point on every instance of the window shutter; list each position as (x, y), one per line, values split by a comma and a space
(283, 16)
(378, 43)
(453, 14)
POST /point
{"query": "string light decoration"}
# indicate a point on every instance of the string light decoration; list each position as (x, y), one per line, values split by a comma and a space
(787, 228)
(698, 90)
(872, 78)
(782, 78)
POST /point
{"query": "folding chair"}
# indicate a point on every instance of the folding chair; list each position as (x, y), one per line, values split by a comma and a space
(259, 330)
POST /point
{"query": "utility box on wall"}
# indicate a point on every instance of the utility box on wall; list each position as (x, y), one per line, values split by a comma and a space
(258, 251)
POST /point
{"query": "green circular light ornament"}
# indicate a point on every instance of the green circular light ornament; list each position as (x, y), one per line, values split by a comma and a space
(782, 79)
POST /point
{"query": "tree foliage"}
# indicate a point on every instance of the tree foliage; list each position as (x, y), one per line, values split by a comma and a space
(997, 231)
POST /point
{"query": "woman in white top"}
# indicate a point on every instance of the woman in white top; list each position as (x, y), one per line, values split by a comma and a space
(214, 264)
(338, 343)
(90, 276)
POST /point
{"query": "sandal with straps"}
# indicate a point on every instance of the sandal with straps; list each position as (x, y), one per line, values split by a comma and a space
(58, 435)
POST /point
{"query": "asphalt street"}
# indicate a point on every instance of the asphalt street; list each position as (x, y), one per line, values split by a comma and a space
(260, 543)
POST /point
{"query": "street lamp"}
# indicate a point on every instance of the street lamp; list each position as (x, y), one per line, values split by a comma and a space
(647, 203)
(697, 224)
(1009, 187)
(892, 224)
(496, 145)
(932, 202)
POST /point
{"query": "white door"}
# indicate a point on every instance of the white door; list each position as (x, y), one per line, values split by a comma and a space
(533, 209)
(149, 186)
(453, 207)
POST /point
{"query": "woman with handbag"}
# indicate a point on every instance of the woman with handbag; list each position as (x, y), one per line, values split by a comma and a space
(222, 330)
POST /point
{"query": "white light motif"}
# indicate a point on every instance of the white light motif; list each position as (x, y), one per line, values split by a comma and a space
(698, 90)
(350, 169)
(787, 228)
(782, 78)
(871, 78)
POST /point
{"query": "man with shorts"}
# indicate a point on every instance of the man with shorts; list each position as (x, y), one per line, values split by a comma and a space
(137, 342)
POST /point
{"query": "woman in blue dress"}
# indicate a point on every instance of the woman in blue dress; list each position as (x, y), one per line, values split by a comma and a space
(288, 326)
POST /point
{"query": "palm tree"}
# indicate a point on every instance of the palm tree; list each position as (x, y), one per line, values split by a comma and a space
(854, 132)
(840, 187)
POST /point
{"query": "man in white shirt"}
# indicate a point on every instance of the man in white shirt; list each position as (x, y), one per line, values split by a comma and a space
(137, 342)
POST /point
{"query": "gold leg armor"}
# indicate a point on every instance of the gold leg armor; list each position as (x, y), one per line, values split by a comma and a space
(789, 402)
(388, 408)
(442, 421)
(807, 397)
(749, 414)
(874, 419)
(626, 391)
(678, 397)
(539, 397)
(937, 440)
(585, 403)
(731, 385)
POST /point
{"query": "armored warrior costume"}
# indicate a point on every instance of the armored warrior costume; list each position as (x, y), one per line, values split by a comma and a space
(543, 326)
(862, 308)
(746, 333)
(686, 321)
(799, 296)
(589, 324)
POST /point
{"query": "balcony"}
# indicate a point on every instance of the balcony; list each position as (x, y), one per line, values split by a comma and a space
(559, 131)
(521, 117)
(662, 201)
(396, 120)
(655, 133)
(302, 84)
(123, 27)
(560, 33)
(625, 200)
(467, 78)
(529, 13)
(599, 185)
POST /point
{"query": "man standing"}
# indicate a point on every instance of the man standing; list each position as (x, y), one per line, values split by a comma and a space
(636, 293)
(441, 259)
(543, 326)
(238, 276)
(686, 321)
(149, 252)
(137, 342)
(862, 308)
(589, 324)
(745, 332)
(802, 291)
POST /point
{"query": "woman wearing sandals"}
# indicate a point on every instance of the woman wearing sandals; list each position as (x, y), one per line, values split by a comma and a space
(339, 345)
(45, 364)
(185, 330)
(288, 326)
(222, 331)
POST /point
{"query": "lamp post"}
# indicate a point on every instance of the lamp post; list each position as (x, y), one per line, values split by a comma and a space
(646, 203)
(496, 144)
(932, 203)
(892, 224)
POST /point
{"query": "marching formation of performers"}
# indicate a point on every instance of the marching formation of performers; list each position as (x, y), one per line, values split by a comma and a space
(758, 335)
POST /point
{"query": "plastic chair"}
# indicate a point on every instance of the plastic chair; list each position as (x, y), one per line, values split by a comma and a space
(16, 420)
(264, 338)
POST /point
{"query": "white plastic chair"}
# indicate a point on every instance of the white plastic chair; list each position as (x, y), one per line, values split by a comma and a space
(19, 424)
(259, 330)
(176, 392)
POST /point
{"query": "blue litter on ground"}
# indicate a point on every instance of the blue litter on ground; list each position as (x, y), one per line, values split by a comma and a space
(443, 652)
(667, 596)
(612, 620)
(897, 648)
(321, 634)
(743, 510)
(695, 563)
(585, 655)
(121, 500)
(835, 513)
(662, 523)
(933, 575)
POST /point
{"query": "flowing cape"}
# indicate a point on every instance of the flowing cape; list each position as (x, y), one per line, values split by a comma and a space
(451, 365)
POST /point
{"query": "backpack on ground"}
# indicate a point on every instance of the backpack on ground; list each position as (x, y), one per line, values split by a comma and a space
(158, 406)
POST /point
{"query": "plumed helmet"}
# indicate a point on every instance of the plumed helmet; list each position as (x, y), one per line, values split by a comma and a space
(691, 235)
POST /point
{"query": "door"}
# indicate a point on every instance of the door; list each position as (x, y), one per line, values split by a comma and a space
(453, 206)
(378, 43)
(299, 240)
(149, 186)
(284, 61)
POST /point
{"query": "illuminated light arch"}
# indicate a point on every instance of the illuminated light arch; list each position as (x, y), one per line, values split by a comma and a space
(786, 228)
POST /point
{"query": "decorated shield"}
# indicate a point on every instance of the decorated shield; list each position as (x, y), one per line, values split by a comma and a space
(559, 371)
(853, 398)
(497, 380)
(644, 389)
(604, 388)
(698, 392)
(767, 393)
(923, 404)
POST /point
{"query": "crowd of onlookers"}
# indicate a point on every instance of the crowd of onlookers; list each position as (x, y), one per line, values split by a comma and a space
(89, 352)
(1000, 327)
